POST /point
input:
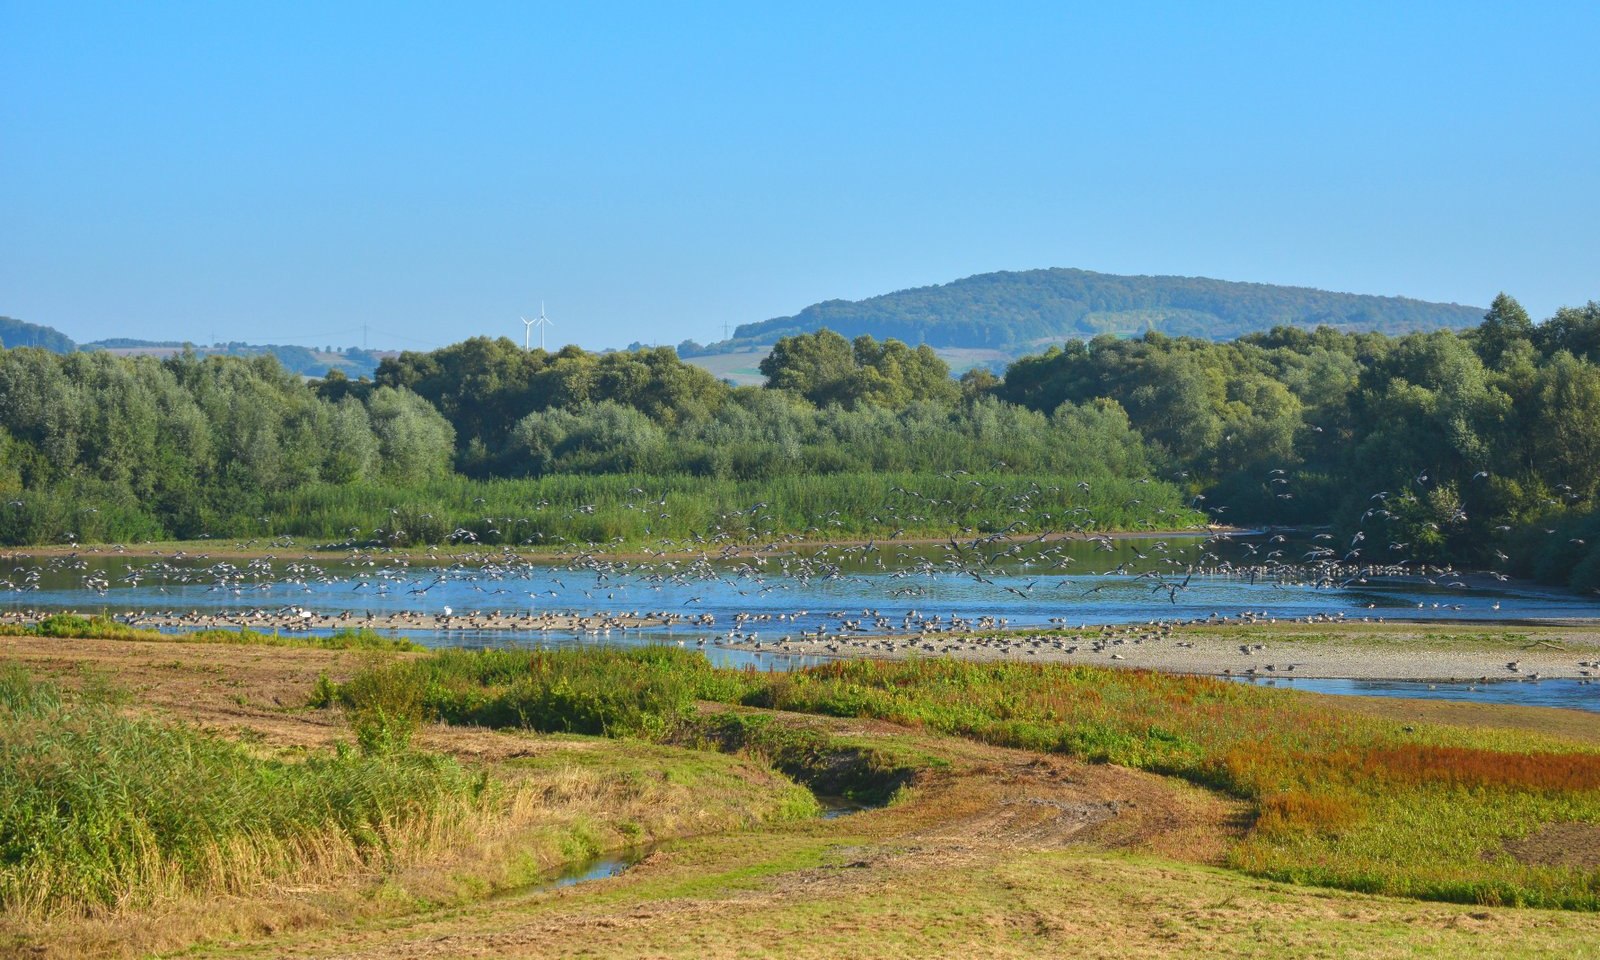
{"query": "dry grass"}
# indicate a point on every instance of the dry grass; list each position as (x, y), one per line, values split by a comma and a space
(548, 801)
(1000, 854)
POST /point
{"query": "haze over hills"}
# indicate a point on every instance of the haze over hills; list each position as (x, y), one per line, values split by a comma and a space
(983, 320)
(305, 361)
(1016, 311)
(20, 333)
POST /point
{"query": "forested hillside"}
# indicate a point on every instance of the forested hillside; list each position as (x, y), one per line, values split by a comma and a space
(1480, 446)
(306, 361)
(1014, 309)
(17, 333)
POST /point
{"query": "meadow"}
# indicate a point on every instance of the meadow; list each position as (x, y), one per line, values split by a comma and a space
(162, 808)
(375, 794)
(1339, 798)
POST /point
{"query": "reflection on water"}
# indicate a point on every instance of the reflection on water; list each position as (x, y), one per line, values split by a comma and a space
(596, 868)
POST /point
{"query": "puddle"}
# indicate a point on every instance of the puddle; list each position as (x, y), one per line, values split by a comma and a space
(597, 868)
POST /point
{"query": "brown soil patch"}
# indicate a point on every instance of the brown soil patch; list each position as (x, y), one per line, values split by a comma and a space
(252, 693)
(1559, 845)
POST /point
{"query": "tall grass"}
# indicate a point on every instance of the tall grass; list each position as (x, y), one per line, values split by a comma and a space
(99, 810)
(1341, 799)
(643, 509)
(647, 508)
(642, 692)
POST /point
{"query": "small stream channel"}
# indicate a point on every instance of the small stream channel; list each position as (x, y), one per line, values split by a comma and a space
(616, 862)
(595, 868)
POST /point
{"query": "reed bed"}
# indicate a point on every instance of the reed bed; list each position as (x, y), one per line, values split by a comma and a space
(638, 509)
(103, 812)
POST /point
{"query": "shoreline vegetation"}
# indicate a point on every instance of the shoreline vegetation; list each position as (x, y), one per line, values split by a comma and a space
(550, 757)
(1473, 448)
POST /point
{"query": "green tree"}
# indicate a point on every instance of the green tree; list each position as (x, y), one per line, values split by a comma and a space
(1506, 323)
(819, 366)
(415, 441)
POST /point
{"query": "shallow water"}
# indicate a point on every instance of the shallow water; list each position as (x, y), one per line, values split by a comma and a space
(595, 868)
(1135, 581)
(1078, 582)
(612, 864)
(1572, 694)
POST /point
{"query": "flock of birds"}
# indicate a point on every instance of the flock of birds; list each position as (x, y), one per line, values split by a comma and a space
(737, 569)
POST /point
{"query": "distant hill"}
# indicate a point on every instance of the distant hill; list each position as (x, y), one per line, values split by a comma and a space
(16, 333)
(1016, 311)
(306, 361)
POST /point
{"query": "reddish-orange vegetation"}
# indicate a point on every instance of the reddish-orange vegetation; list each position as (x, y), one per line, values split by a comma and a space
(1470, 767)
(1297, 811)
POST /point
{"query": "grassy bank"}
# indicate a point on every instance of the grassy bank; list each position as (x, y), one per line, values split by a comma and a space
(68, 626)
(1341, 798)
(991, 851)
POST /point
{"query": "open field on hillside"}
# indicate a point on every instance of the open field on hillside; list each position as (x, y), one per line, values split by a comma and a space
(741, 367)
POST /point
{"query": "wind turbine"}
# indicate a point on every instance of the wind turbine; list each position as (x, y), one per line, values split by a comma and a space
(527, 333)
(542, 321)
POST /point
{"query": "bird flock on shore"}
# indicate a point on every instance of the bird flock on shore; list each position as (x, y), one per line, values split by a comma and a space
(740, 565)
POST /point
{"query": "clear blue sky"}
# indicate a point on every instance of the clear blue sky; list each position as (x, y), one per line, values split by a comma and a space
(290, 171)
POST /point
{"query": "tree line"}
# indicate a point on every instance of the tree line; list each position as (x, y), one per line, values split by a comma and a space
(1428, 446)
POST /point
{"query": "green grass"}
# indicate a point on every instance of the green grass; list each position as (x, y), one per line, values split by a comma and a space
(101, 810)
(70, 626)
(1342, 798)
(642, 692)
